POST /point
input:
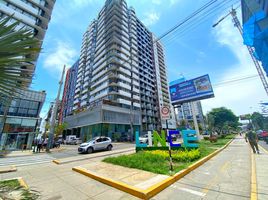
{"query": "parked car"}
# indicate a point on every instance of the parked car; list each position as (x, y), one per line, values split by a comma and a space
(96, 144)
(262, 135)
(144, 139)
(71, 139)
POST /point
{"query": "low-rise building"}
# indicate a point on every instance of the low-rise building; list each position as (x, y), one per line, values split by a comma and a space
(20, 123)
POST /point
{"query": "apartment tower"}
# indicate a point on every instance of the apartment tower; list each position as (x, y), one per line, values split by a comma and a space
(116, 89)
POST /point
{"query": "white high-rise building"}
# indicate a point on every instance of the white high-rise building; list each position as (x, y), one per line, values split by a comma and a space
(116, 87)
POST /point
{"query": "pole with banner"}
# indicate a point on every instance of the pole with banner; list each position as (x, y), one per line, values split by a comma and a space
(165, 115)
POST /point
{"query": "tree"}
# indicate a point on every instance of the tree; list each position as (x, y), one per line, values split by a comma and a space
(59, 129)
(257, 120)
(18, 49)
(222, 120)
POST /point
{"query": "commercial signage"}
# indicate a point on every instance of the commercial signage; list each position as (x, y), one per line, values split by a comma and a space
(191, 90)
(165, 113)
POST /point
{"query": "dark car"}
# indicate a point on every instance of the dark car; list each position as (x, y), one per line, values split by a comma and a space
(262, 135)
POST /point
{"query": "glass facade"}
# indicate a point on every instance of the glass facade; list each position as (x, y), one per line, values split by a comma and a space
(22, 117)
(117, 132)
(22, 107)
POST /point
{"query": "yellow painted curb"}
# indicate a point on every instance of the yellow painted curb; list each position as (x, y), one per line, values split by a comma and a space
(253, 195)
(116, 184)
(153, 190)
(263, 149)
(56, 161)
(22, 183)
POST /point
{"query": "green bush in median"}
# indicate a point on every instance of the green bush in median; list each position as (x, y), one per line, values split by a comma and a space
(178, 156)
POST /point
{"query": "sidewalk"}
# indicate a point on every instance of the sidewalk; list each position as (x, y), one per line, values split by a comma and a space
(227, 176)
(262, 172)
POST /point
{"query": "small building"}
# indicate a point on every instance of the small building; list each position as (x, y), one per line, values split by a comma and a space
(18, 128)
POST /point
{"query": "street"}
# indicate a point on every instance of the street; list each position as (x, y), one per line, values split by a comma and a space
(68, 151)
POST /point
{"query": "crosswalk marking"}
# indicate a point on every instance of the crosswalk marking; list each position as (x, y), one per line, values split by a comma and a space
(26, 160)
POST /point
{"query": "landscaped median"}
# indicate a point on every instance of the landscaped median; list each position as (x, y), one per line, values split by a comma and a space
(157, 161)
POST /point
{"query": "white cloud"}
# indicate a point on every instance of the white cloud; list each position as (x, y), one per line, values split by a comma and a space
(238, 96)
(151, 18)
(63, 54)
(173, 2)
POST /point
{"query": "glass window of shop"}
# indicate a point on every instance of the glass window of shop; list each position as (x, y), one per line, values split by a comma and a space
(22, 107)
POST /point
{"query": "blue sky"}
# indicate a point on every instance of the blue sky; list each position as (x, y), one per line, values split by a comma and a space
(193, 50)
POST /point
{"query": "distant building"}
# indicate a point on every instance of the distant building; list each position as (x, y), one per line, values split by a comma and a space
(19, 128)
(121, 79)
(66, 107)
(185, 112)
(255, 28)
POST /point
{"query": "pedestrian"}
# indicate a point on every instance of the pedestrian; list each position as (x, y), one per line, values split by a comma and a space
(39, 145)
(252, 138)
(45, 143)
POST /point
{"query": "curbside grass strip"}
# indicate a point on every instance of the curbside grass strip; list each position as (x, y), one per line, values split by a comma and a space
(155, 189)
(9, 169)
(116, 184)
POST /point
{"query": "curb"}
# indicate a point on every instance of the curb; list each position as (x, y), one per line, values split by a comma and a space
(253, 194)
(116, 184)
(59, 162)
(155, 189)
(23, 183)
(262, 148)
(11, 169)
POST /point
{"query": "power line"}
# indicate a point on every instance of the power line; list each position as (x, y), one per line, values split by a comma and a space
(194, 24)
(187, 19)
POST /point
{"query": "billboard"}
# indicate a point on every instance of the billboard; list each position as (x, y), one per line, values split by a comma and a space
(191, 90)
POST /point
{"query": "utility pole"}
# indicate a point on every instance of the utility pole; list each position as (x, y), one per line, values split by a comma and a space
(54, 114)
(194, 119)
(250, 49)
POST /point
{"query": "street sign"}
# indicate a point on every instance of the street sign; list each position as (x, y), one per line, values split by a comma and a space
(165, 113)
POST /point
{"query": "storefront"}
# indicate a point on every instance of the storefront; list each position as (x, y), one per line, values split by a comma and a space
(18, 133)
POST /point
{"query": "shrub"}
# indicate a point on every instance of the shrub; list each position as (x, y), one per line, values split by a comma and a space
(179, 155)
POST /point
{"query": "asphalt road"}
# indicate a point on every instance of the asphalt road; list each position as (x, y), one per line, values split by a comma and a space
(263, 144)
(71, 150)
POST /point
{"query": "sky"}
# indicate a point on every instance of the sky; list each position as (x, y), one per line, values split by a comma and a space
(193, 50)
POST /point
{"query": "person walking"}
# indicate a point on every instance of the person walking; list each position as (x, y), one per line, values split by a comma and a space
(39, 145)
(252, 138)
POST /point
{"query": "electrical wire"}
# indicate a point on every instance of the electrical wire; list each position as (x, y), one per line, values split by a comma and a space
(193, 25)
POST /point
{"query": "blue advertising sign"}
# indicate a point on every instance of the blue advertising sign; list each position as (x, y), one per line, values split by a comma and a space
(191, 90)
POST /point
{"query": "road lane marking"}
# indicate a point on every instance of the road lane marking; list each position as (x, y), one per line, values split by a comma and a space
(201, 194)
(263, 149)
(253, 195)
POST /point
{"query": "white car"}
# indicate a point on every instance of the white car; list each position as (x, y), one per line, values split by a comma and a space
(96, 144)
(144, 139)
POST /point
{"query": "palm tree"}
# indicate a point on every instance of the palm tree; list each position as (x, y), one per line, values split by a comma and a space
(18, 49)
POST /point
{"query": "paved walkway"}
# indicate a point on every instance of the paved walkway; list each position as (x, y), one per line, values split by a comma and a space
(262, 172)
(226, 176)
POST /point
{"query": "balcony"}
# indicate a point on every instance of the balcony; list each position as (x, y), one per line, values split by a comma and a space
(123, 93)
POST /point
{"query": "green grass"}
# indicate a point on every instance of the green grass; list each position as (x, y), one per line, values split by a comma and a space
(159, 164)
(9, 186)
